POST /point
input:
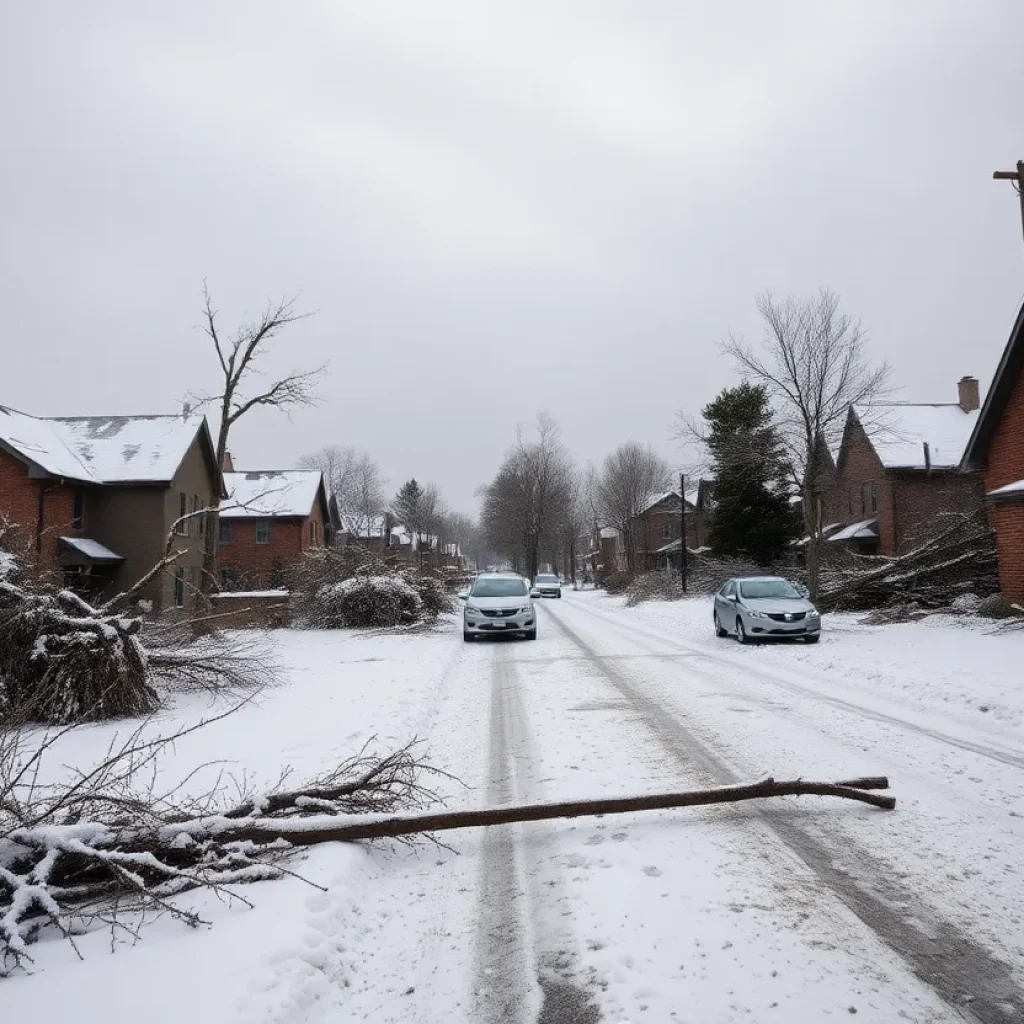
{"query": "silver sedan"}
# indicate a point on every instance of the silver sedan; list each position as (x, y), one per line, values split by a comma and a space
(757, 608)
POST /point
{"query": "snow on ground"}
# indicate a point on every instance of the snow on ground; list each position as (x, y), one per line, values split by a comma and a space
(710, 915)
(962, 667)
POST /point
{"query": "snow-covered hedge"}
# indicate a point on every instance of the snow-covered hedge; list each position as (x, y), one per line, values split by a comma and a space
(366, 601)
(659, 585)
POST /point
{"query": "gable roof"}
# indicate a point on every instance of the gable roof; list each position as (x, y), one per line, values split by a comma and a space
(904, 428)
(668, 495)
(273, 493)
(1008, 372)
(102, 449)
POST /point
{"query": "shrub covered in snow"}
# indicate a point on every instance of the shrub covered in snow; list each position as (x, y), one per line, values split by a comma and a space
(433, 593)
(366, 601)
(659, 585)
(615, 582)
(966, 604)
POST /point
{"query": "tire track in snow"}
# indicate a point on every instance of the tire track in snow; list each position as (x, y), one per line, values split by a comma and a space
(521, 947)
(963, 973)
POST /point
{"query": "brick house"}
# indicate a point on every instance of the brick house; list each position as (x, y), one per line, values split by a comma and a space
(898, 468)
(996, 449)
(270, 519)
(93, 499)
(657, 529)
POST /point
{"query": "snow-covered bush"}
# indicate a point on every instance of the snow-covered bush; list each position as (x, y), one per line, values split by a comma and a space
(433, 593)
(659, 585)
(615, 582)
(63, 661)
(966, 604)
(366, 601)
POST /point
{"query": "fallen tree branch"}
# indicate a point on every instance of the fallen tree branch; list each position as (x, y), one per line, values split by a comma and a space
(308, 833)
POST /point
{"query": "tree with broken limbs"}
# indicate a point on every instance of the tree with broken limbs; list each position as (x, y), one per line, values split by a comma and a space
(752, 515)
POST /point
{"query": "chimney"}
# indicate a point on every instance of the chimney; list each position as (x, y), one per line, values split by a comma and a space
(228, 466)
(970, 398)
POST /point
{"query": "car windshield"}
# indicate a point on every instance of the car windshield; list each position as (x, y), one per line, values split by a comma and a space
(499, 588)
(547, 579)
(768, 588)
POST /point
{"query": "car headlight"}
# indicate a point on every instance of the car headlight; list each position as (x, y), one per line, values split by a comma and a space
(755, 615)
(525, 609)
(471, 609)
(814, 614)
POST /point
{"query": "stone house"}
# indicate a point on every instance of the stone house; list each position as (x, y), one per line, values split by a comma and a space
(269, 520)
(898, 470)
(92, 500)
(996, 450)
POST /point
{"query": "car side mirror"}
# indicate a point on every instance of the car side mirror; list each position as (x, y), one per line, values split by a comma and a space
(463, 595)
(535, 592)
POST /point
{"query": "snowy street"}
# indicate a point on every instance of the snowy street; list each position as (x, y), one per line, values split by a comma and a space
(791, 910)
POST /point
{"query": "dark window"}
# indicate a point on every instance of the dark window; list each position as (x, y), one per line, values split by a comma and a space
(78, 515)
(182, 527)
(263, 533)
(179, 588)
(868, 498)
(312, 532)
(669, 531)
(225, 531)
(228, 578)
(200, 520)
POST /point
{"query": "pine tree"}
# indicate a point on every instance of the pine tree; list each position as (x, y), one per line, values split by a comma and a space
(409, 509)
(752, 515)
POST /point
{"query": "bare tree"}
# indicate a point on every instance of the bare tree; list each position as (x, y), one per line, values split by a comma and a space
(631, 478)
(355, 480)
(524, 507)
(239, 391)
(813, 362)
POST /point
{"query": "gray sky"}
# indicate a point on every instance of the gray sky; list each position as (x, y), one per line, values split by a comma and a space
(496, 208)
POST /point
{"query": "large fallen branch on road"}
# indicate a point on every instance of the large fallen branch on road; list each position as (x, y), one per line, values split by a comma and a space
(307, 832)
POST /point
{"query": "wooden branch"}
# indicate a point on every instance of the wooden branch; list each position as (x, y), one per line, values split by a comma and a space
(304, 834)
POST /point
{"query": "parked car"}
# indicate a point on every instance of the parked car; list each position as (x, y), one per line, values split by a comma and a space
(547, 585)
(757, 608)
(498, 603)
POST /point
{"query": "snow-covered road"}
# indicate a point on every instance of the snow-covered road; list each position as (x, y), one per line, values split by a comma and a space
(797, 910)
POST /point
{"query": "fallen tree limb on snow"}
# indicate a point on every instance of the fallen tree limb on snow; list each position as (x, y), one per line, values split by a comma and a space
(307, 833)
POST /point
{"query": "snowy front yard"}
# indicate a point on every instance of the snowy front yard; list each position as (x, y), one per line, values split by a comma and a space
(712, 914)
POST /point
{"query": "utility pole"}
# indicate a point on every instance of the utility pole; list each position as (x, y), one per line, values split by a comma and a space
(1016, 176)
(682, 530)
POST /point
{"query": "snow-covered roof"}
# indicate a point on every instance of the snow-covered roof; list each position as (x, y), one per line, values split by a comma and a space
(91, 549)
(101, 449)
(865, 530)
(1017, 487)
(607, 532)
(899, 432)
(269, 493)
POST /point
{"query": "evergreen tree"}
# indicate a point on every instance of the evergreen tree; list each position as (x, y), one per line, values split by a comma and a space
(751, 514)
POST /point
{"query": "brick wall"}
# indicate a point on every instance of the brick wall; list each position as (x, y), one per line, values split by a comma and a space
(263, 566)
(1008, 520)
(859, 465)
(19, 502)
(1006, 452)
(920, 498)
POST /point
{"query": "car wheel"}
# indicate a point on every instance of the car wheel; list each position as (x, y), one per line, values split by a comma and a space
(532, 635)
(812, 638)
(719, 631)
(741, 633)
(467, 636)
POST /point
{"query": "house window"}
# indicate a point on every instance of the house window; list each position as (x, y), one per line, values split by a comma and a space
(179, 588)
(263, 533)
(312, 532)
(182, 525)
(200, 520)
(868, 498)
(669, 530)
(225, 531)
(228, 578)
(78, 514)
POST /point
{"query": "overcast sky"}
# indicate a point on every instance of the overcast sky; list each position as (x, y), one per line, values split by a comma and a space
(496, 208)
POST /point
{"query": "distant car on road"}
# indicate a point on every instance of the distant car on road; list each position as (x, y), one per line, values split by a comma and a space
(757, 608)
(548, 585)
(498, 602)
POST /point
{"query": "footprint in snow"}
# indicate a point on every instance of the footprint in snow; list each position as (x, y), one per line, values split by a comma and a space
(653, 872)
